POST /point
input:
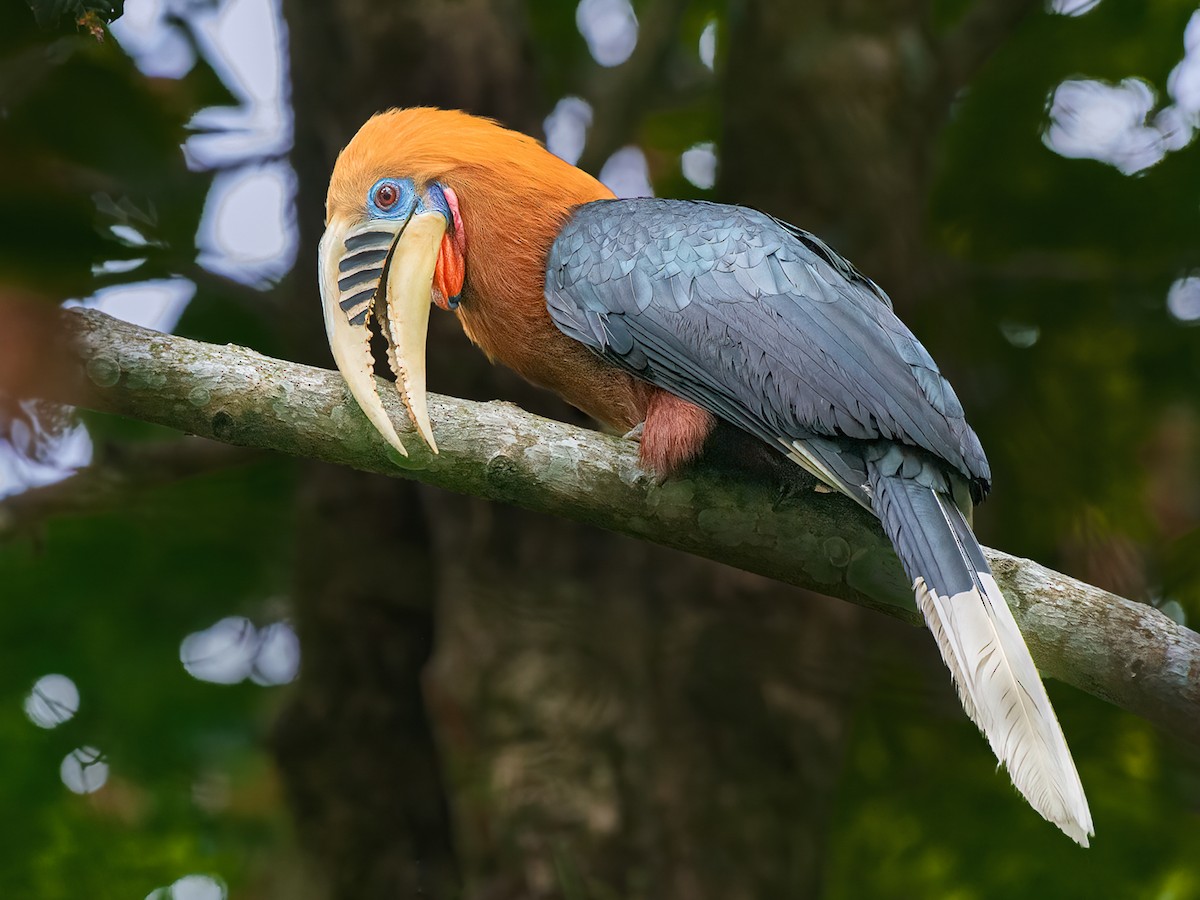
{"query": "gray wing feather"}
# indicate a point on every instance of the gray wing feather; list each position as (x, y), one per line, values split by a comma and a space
(758, 322)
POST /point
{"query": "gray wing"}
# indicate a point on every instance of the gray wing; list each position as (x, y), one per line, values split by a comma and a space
(761, 324)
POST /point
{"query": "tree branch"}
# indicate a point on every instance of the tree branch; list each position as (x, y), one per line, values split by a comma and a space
(1124, 652)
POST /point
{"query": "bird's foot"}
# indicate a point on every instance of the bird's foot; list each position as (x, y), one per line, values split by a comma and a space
(635, 433)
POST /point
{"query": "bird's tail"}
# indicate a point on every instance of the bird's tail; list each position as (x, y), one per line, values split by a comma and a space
(997, 681)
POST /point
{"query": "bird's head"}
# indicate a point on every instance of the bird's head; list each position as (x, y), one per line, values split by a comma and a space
(432, 206)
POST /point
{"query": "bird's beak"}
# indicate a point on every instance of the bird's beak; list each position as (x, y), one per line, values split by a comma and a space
(382, 268)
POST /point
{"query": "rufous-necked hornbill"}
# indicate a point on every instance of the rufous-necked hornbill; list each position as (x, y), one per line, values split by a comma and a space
(673, 315)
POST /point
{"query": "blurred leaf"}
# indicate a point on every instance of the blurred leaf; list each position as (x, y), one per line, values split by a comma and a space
(85, 131)
(49, 12)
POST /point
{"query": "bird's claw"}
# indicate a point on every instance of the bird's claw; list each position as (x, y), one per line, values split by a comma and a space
(635, 433)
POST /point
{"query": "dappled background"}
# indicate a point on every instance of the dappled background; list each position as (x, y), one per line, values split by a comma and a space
(227, 674)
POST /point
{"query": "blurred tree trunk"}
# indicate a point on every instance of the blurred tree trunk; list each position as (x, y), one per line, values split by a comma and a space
(356, 748)
(840, 137)
(611, 719)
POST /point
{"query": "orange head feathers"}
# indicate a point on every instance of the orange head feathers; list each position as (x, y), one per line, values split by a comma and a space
(512, 194)
(430, 204)
(480, 159)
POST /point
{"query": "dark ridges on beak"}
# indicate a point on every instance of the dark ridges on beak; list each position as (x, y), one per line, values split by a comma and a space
(361, 271)
(358, 307)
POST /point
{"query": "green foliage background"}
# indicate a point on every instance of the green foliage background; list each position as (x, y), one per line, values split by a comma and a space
(1093, 433)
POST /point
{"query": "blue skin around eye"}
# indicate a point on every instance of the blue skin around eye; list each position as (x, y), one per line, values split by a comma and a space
(407, 194)
(434, 200)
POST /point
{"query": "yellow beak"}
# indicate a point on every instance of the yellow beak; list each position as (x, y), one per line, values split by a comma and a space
(382, 268)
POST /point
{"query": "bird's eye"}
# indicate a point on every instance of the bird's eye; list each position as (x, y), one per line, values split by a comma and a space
(386, 196)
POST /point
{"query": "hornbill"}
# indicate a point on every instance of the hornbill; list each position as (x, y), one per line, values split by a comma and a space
(671, 315)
